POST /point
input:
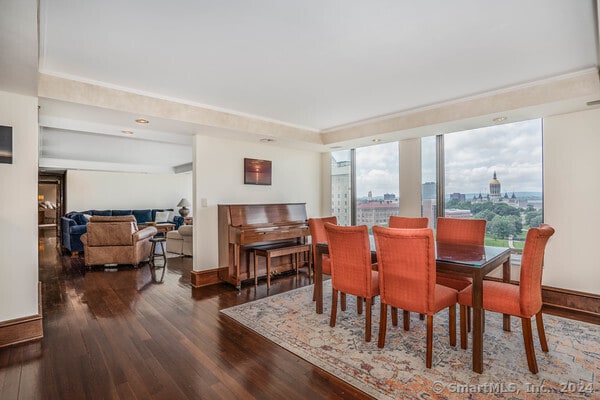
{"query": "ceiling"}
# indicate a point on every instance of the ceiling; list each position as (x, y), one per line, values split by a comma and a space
(326, 71)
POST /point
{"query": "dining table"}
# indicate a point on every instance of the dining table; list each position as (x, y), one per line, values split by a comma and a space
(474, 261)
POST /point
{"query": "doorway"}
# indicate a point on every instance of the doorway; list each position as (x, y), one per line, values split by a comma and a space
(50, 203)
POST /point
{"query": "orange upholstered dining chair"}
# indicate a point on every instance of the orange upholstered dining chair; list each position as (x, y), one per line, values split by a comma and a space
(523, 300)
(351, 268)
(408, 222)
(459, 231)
(407, 271)
(318, 235)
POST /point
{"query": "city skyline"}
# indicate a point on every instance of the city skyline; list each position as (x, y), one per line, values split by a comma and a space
(513, 151)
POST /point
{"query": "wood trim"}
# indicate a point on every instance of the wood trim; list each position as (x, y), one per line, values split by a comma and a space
(207, 277)
(566, 300)
(25, 329)
(571, 300)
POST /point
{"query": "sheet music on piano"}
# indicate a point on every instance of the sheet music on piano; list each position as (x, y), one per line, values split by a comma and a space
(244, 225)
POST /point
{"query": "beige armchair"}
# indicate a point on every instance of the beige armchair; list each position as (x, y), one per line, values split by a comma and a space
(181, 240)
(116, 240)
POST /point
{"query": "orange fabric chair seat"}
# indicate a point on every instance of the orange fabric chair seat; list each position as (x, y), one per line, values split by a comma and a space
(444, 298)
(454, 281)
(498, 297)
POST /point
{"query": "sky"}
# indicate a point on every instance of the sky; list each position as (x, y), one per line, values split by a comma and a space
(513, 150)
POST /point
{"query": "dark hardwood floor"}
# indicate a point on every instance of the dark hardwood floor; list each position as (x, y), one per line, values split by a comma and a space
(119, 335)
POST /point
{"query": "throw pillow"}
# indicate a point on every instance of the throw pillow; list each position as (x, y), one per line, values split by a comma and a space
(162, 216)
(87, 217)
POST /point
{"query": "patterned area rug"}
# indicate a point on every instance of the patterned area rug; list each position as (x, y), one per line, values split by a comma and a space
(571, 368)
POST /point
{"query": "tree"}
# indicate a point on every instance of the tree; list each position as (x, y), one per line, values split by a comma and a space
(488, 215)
(533, 217)
(501, 227)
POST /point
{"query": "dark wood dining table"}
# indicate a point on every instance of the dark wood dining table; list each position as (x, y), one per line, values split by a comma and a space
(466, 260)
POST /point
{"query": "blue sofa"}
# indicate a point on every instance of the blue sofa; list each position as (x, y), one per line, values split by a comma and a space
(74, 223)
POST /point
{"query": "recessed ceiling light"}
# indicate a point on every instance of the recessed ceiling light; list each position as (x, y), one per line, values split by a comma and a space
(267, 140)
(128, 132)
(142, 121)
(376, 140)
(500, 119)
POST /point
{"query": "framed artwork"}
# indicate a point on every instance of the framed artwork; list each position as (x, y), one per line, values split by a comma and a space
(257, 172)
(6, 150)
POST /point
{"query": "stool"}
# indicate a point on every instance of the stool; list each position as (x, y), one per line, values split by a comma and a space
(161, 241)
(269, 252)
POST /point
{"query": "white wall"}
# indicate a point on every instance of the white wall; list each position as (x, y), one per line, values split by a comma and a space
(118, 190)
(18, 210)
(571, 193)
(219, 179)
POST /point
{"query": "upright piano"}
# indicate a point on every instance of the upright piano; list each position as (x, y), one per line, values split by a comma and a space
(242, 226)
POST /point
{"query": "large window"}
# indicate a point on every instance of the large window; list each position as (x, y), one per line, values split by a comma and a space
(373, 173)
(494, 173)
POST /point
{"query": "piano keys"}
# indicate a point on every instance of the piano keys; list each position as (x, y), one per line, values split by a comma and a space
(242, 226)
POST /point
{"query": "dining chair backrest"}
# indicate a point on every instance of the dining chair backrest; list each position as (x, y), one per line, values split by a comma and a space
(406, 265)
(350, 254)
(530, 282)
(408, 222)
(317, 230)
(461, 231)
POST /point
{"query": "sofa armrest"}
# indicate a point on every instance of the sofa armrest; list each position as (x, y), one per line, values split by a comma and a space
(77, 229)
(186, 230)
(145, 233)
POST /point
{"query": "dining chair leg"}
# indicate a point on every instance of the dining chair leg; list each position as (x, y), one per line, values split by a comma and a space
(528, 340)
(394, 316)
(429, 354)
(422, 317)
(406, 320)
(463, 327)
(541, 333)
(334, 296)
(452, 324)
(382, 324)
(359, 305)
(368, 320)
(343, 300)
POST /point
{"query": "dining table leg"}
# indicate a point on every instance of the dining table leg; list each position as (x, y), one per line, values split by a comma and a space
(506, 279)
(477, 310)
(318, 279)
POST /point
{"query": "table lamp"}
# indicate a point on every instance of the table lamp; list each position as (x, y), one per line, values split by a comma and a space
(184, 204)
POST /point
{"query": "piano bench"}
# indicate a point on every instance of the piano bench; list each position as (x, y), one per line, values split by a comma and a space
(274, 251)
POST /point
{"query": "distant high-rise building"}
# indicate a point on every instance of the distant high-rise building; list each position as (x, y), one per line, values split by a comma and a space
(376, 212)
(428, 191)
(341, 187)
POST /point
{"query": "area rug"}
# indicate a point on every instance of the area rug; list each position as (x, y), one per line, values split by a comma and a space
(570, 369)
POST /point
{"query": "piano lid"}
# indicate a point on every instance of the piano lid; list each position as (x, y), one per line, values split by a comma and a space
(266, 214)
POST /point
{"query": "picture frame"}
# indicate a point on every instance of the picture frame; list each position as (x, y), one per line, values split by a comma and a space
(6, 145)
(257, 172)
